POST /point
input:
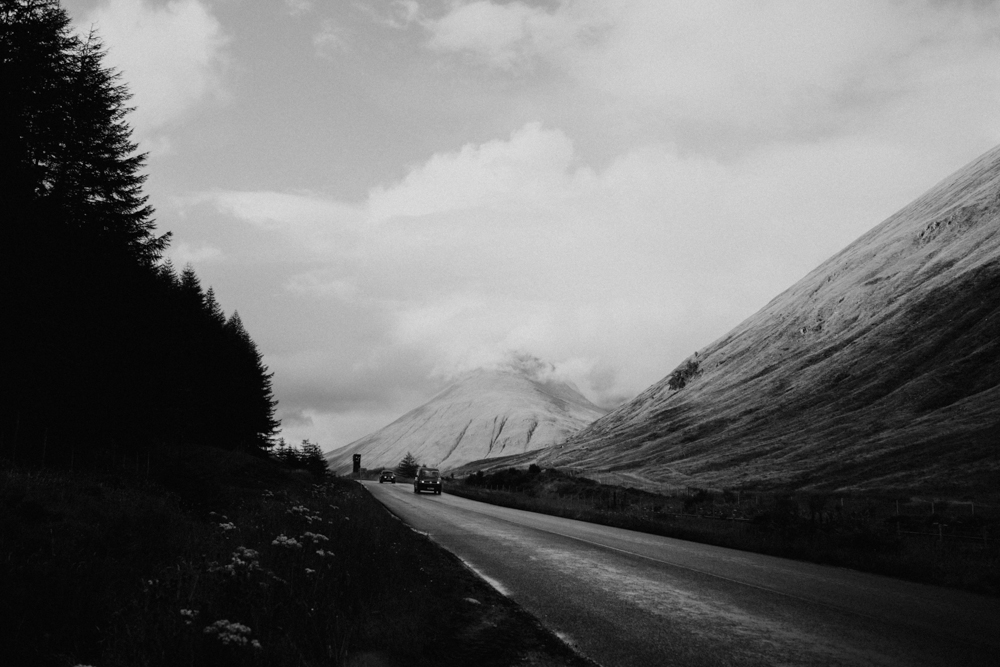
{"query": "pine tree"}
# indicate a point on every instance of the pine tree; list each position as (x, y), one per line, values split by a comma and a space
(252, 407)
(110, 345)
(313, 459)
(408, 466)
(66, 145)
(213, 310)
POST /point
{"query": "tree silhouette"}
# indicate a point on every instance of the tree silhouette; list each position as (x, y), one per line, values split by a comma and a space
(407, 466)
(313, 459)
(107, 348)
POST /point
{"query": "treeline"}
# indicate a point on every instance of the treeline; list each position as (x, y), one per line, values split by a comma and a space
(106, 347)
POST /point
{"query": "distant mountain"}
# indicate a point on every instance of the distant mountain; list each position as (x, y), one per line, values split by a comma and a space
(880, 370)
(485, 414)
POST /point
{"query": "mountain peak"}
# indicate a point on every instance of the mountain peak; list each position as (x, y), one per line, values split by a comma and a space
(510, 408)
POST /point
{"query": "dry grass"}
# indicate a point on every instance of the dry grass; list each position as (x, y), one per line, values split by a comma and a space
(942, 544)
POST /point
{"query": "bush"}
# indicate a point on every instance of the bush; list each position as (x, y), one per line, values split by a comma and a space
(681, 376)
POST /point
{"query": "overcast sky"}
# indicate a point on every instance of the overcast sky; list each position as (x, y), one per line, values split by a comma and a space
(393, 192)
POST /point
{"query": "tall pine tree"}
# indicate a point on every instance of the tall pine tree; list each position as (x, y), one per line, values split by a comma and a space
(105, 346)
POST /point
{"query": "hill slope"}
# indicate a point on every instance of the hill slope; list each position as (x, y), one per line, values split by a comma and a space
(487, 413)
(878, 370)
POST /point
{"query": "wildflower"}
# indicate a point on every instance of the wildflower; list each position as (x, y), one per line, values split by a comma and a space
(243, 561)
(231, 633)
(305, 513)
(309, 570)
(189, 615)
(316, 537)
(255, 644)
(287, 542)
(323, 553)
(228, 526)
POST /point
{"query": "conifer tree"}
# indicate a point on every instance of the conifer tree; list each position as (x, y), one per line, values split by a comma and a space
(109, 344)
(313, 459)
(408, 466)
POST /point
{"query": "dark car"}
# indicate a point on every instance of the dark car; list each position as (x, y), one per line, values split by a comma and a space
(387, 476)
(427, 479)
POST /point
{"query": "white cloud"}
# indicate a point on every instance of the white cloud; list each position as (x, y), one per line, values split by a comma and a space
(721, 74)
(739, 145)
(298, 7)
(186, 253)
(172, 57)
(512, 35)
(612, 275)
(530, 165)
(331, 39)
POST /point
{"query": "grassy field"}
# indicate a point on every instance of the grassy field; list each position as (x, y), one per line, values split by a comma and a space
(212, 558)
(942, 544)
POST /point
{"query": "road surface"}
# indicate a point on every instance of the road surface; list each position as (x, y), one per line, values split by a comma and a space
(626, 598)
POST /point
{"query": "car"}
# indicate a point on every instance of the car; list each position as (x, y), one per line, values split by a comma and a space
(427, 479)
(387, 476)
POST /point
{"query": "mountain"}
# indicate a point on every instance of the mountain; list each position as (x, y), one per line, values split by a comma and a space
(878, 371)
(485, 414)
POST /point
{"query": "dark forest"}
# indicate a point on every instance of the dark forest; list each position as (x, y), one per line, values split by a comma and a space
(108, 350)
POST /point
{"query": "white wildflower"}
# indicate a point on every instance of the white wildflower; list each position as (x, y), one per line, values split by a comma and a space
(230, 633)
(305, 513)
(287, 542)
(243, 561)
(315, 537)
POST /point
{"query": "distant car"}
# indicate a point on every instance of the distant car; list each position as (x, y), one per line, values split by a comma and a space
(387, 476)
(427, 479)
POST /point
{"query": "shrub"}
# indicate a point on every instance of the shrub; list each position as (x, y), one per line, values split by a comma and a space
(681, 376)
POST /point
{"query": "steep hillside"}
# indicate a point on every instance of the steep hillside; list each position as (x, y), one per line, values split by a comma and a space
(880, 370)
(487, 413)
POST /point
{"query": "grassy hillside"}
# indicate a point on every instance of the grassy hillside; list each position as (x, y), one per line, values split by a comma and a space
(877, 372)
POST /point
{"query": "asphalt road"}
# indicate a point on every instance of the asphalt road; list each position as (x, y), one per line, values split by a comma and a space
(626, 598)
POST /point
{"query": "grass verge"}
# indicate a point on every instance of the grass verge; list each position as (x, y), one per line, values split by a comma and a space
(947, 548)
(230, 560)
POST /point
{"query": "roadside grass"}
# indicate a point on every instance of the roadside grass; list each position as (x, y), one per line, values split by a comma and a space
(945, 546)
(238, 561)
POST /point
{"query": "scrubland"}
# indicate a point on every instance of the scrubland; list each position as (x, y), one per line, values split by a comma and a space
(220, 558)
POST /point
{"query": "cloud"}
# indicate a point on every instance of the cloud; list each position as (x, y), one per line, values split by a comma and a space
(531, 164)
(722, 74)
(172, 57)
(299, 7)
(653, 173)
(502, 35)
(186, 253)
(331, 39)
(611, 275)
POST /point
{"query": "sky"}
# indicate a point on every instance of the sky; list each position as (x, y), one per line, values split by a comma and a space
(394, 192)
